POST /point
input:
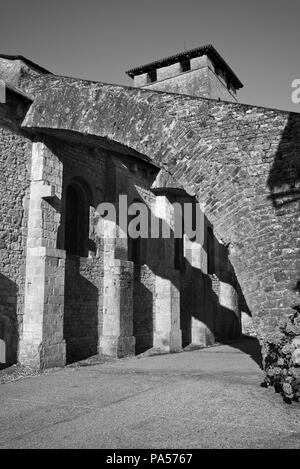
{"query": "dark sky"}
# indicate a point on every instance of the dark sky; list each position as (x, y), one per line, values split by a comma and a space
(99, 40)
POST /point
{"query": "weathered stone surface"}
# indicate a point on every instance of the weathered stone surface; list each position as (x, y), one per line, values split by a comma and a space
(240, 162)
(15, 154)
(16, 69)
(197, 72)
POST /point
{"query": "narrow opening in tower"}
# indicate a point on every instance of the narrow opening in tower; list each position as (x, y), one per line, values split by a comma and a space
(185, 65)
(152, 76)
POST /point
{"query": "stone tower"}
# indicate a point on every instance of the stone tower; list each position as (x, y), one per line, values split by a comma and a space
(197, 72)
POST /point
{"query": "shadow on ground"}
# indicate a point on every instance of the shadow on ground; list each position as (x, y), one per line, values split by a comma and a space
(250, 346)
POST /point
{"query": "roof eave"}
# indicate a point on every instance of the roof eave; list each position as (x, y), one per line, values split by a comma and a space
(192, 53)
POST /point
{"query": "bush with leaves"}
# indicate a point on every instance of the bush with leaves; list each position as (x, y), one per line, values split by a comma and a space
(281, 357)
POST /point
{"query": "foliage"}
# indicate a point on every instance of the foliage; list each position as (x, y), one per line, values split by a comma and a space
(281, 355)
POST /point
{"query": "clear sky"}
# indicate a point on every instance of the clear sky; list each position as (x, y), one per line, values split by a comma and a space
(99, 40)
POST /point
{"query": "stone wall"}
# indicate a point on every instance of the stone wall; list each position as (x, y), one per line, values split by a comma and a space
(15, 159)
(139, 183)
(143, 307)
(240, 161)
(83, 308)
(42, 343)
(195, 83)
(83, 275)
(14, 71)
(107, 175)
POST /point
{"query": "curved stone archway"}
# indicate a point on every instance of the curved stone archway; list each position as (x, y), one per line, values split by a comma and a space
(220, 152)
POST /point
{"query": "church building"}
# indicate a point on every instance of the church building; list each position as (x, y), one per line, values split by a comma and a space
(73, 282)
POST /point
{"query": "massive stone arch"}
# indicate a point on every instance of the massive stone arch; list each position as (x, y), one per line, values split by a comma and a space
(221, 152)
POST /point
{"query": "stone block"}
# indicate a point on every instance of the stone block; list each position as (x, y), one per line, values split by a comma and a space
(117, 346)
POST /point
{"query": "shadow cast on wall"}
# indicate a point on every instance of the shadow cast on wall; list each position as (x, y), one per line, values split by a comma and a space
(200, 290)
(284, 177)
(81, 311)
(142, 312)
(223, 322)
(284, 184)
(199, 294)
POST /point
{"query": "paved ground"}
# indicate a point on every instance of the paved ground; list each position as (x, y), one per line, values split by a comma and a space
(197, 399)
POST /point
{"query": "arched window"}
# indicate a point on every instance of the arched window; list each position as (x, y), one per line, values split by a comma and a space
(76, 220)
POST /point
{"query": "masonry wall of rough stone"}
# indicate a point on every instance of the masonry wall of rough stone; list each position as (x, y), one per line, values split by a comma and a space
(240, 161)
(42, 346)
(15, 71)
(83, 275)
(83, 311)
(247, 176)
(194, 82)
(52, 349)
(107, 175)
(15, 160)
(143, 307)
(138, 181)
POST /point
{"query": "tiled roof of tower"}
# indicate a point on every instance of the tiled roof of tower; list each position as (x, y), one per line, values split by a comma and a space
(26, 61)
(208, 50)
